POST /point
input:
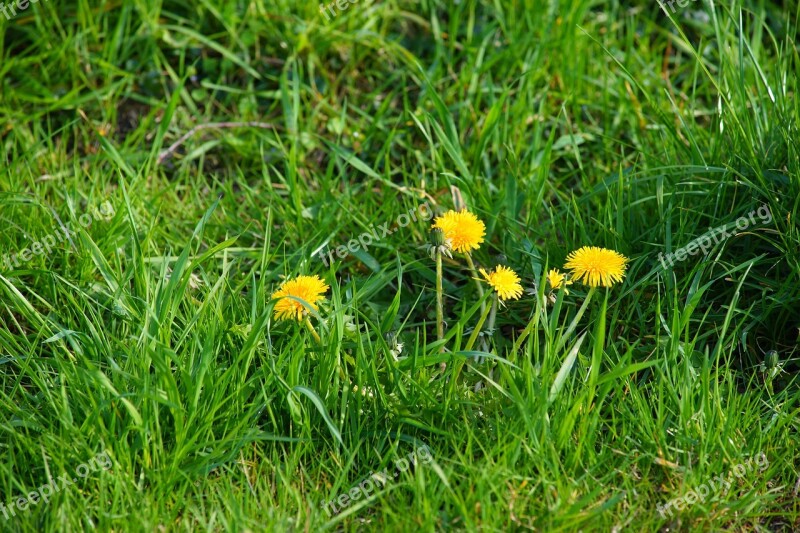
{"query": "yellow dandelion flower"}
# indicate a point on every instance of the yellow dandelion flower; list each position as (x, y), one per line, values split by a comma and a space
(504, 281)
(311, 289)
(596, 266)
(556, 279)
(462, 229)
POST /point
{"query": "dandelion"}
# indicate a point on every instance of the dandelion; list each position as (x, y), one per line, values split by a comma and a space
(462, 229)
(504, 281)
(463, 232)
(310, 289)
(558, 279)
(596, 266)
(506, 284)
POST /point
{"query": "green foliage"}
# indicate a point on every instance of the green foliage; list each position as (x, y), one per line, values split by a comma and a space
(149, 333)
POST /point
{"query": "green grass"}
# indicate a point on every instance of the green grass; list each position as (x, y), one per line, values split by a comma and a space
(149, 334)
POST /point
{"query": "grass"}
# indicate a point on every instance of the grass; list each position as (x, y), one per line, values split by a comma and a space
(149, 334)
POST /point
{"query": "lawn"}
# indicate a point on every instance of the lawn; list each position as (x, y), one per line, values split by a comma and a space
(396, 265)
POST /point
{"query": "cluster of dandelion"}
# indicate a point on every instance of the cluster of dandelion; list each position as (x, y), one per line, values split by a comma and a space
(591, 265)
(463, 232)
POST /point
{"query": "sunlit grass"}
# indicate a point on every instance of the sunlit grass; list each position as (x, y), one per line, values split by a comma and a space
(152, 334)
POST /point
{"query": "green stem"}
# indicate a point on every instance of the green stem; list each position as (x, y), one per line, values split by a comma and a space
(525, 333)
(312, 330)
(574, 324)
(477, 330)
(490, 328)
(493, 314)
(565, 336)
(470, 344)
(477, 280)
(439, 303)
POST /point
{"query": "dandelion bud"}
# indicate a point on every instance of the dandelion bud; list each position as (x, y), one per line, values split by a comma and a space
(437, 237)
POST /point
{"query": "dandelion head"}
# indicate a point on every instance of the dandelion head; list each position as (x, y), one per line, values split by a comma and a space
(310, 289)
(596, 266)
(504, 281)
(558, 279)
(462, 229)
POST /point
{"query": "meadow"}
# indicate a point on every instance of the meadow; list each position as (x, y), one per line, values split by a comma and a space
(398, 265)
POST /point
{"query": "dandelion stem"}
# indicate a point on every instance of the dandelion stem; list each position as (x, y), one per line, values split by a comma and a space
(493, 314)
(439, 303)
(490, 327)
(477, 280)
(477, 330)
(312, 330)
(564, 336)
(567, 334)
(468, 347)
